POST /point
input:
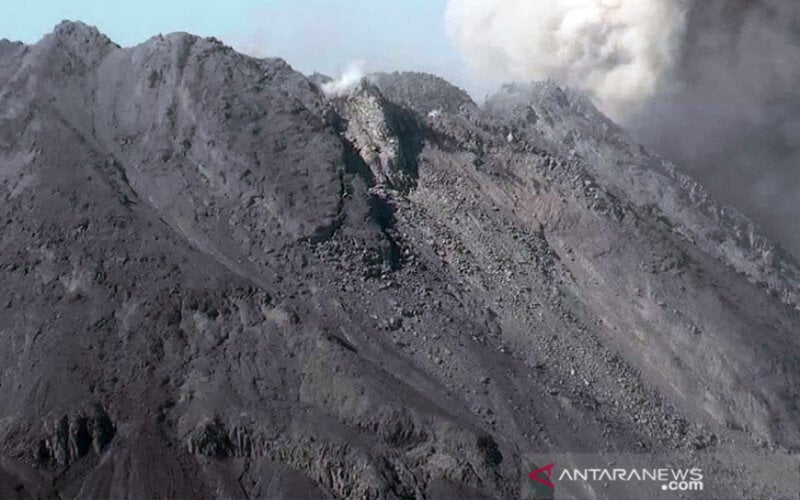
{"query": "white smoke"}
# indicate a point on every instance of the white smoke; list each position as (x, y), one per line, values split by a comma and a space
(618, 51)
(349, 80)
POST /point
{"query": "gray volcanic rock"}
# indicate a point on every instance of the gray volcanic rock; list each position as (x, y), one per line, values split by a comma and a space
(217, 282)
(421, 92)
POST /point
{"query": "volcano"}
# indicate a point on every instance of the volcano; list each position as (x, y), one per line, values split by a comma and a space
(219, 282)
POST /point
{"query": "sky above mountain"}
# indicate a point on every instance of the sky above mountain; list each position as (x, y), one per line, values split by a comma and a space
(312, 35)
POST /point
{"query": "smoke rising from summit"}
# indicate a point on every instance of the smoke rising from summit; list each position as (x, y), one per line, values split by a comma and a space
(349, 80)
(713, 84)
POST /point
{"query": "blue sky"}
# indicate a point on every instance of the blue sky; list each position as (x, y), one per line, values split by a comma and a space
(312, 35)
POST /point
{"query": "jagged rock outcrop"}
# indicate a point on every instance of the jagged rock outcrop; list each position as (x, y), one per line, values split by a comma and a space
(387, 137)
(73, 437)
(218, 282)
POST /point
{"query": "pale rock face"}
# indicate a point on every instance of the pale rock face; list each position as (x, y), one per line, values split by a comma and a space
(218, 280)
(381, 134)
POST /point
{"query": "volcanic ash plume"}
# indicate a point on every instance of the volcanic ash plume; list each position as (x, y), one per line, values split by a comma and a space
(619, 51)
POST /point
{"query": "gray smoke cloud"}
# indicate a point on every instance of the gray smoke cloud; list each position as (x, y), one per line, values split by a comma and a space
(713, 84)
(734, 117)
(619, 51)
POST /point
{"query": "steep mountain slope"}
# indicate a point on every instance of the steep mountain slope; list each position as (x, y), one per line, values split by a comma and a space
(219, 283)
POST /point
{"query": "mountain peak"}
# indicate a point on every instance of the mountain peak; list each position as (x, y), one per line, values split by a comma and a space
(78, 31)
(422, 92)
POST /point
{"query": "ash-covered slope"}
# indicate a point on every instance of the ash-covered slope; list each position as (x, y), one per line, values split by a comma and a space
(216, 282)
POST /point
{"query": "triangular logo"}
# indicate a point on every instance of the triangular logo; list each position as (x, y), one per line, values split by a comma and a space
(535, 475)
